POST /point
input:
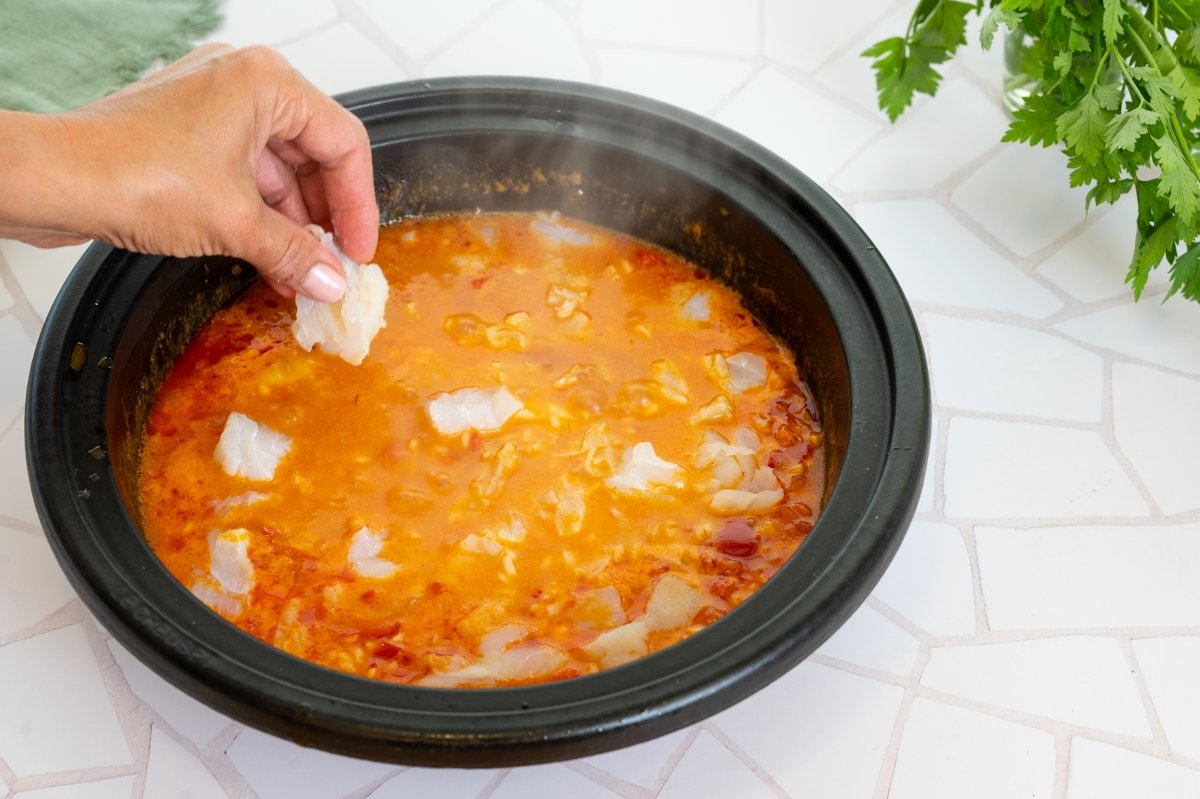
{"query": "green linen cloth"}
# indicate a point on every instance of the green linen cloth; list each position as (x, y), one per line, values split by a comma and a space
(60, 54)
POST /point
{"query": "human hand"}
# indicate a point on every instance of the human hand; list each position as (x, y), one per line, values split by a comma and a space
(227, 152)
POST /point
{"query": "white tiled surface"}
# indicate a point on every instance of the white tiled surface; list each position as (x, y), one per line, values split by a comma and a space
(1038, 634)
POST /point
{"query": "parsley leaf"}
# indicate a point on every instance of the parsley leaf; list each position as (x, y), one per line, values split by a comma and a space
(1125, 129)
(900, 71)
(1187, 81)
(904, 66)
(1036, 122)
(1083, 126)
(1160, 92)
(1108, 191)
(1185, 275)
(1188, 43)
(1178, 183)
(1062, 62)
(991, 23)
(1114, 10)
(1149, 250)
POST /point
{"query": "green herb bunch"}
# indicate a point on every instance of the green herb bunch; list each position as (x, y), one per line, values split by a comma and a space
(1115, 83)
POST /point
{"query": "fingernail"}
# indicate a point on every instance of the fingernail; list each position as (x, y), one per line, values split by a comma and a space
(323, 284)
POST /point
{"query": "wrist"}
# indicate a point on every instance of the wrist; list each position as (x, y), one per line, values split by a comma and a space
(41, 166)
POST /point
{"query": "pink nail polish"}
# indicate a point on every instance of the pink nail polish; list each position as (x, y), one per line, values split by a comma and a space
(324, 284)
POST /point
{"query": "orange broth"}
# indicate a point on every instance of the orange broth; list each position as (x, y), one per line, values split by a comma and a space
(484, 300)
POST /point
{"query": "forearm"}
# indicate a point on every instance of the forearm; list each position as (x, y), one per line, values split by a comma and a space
(43, 185)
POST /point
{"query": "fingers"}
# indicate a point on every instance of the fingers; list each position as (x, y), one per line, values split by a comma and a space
(336, 141)
(279, 188)
(288, 256)
(312, 188)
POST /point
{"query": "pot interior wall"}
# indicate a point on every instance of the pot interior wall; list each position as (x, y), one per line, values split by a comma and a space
(603, 184)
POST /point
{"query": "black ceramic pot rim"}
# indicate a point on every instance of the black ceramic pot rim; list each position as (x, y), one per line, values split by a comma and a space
(859, 530)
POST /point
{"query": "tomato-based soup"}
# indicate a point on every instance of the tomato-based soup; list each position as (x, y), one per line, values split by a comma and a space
(566, 449)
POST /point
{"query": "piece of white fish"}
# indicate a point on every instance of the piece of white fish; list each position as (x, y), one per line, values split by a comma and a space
(730, 502)
(620, 644)
(737, 373)
(746, 371)
(641, 471)
(249, 449)
(696, 309)
(673, 603)
(551, 226)
(455, 412)
(223, 506)
(518, 663)
(212, 595)
(363, 555)
(347, 327)
(230, 564)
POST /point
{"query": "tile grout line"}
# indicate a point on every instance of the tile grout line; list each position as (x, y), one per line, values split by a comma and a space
(588, 48)
(488, 790)
(672, 762)
(723, 102)
(610, 781)
(7, 775)
(1062, 765)
(22, 309)
(365, 791)
(20, 526)
(897, 618)
(126, 706)
(1143, 688)
(70, 778)
(64, 616)
(982, 623)
(144, 716)
(940, 447)
(746, 759)
(858, 670)
(215, 757)
(351, 14)
(1109, 437)
(1055, 727)
(808, 80)
(891, 754)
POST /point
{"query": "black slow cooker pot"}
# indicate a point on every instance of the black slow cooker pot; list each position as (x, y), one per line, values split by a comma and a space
(653, 171)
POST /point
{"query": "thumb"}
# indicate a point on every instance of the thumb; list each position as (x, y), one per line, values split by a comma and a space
(287, 255)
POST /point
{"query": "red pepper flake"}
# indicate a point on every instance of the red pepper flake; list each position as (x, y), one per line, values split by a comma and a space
(386, 650)
(737, 539)
(722, 587)
(368, 596)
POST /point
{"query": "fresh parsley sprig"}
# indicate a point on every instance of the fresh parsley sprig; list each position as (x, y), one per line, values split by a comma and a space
(1115, 83)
